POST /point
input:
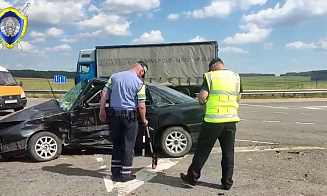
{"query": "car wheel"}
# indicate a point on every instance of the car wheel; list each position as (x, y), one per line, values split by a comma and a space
(176, 142)
(44, 146)
(18, 109)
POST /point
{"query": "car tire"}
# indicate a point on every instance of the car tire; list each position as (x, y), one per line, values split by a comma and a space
(176, 142)
(18, 109)
(44, 146)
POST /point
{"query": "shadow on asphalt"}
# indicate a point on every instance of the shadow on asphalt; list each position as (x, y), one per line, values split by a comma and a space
(172, 181)
(4, 113)
(70, 170)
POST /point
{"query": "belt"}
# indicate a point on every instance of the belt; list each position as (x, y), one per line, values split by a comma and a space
(129, 114)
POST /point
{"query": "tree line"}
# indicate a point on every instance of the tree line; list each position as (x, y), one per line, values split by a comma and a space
(40, 74)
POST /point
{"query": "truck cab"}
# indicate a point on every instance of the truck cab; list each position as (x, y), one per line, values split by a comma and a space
(86, 67)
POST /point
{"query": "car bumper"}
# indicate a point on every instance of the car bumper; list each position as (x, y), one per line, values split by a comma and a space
(12, 102)
(12, 149)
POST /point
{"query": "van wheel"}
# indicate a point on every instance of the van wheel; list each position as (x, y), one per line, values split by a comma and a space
(176, 142)
(18, 109)
(44, 146)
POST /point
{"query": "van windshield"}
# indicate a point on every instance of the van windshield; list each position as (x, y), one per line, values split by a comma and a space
(6, 79)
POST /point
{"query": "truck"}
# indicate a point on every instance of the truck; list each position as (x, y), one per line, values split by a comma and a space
(177, 65)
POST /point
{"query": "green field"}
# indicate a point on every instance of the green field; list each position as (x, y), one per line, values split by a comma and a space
(285, 82)
(249, 83)
(42, 84)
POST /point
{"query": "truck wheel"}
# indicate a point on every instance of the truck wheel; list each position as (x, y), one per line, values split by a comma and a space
(44, 146)
(176, 142)
(18, 109)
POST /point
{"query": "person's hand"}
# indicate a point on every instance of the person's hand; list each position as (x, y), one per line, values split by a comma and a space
(145, 122)
(102, 115)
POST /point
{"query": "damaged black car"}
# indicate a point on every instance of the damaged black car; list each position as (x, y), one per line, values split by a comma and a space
(44, 130)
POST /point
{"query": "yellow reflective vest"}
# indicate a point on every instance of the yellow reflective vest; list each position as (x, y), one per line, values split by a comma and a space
(224, 89)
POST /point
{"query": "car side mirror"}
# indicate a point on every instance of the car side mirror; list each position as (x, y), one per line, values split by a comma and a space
(20, 83)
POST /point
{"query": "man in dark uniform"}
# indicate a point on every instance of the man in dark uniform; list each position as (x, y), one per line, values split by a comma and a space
(221, 91)
(127, 95)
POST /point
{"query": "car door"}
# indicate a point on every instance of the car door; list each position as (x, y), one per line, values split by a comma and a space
(87, 128)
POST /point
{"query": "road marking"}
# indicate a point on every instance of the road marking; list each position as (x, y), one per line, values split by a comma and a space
(142, 176)
(271, 121)
(108, 183)
(316, 107)
(267, 148)
(99, 159)
(280, 113)
(307, 114)
(103, 167)
(303, 123)
(266, 106)
(255, 142)
(244, 120)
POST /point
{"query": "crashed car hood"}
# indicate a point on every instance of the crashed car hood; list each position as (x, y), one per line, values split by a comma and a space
(45, 109)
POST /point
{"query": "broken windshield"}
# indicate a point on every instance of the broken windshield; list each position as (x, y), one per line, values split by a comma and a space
(67, 101)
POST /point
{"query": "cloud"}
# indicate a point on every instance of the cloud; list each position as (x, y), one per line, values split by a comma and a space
(197, 39)
(27, 47)
(54, 32)
(35, 34)
(291, 13)
(322, 45)
(69, 40)
(111, 24)
(62, 47)
(88, 34)
(93, 8)
(38, 40)
(153, 37)
(59, 12)
(173, 16)
(268, 46)
(5, 4)
(222, 8)
(233, 50)
(129, 6)
(214, 10)
(254, 35)
(246, 4)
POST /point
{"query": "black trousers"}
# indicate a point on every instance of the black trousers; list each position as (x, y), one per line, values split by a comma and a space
(225, 133)
(124, 132)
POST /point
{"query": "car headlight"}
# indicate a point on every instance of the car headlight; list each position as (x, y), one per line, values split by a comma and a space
(23, 95)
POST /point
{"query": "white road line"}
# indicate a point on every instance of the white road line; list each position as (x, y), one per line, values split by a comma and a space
(142, 177)
(307, 114)
(99, 159)
(255, 142)
(280, 113)
(108, 183)
(268, 148)
(316, 107)
(303, 123)
(266, 106)
(271, 121)
(103, 167)
(244, 120)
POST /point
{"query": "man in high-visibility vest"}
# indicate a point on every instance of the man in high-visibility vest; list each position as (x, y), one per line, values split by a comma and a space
(220, 92)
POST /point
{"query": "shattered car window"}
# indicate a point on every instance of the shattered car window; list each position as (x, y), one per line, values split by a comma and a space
(66, 102)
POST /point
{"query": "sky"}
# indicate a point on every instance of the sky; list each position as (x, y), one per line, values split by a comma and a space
(254, 36)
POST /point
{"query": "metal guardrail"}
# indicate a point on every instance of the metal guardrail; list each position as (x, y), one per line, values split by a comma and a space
(246, 92)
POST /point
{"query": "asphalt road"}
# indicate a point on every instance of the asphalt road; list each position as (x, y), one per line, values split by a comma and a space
(281, 150)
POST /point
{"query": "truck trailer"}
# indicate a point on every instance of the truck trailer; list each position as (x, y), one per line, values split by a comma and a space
(177, 65)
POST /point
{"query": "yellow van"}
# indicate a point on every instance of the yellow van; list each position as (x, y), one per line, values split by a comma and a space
(12, 95)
